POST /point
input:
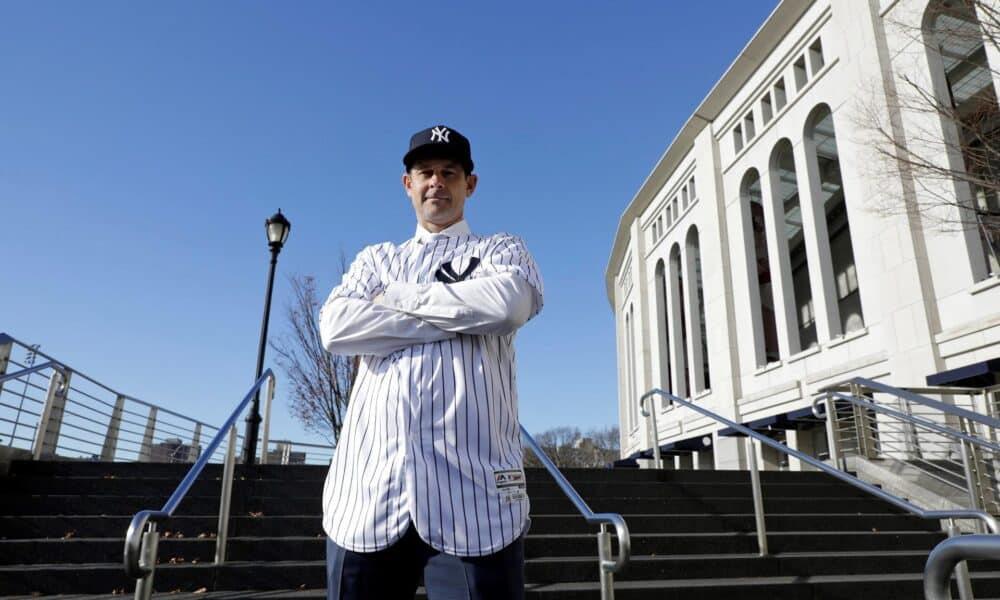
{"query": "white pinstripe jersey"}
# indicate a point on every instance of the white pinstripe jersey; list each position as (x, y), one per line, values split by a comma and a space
(431, 434)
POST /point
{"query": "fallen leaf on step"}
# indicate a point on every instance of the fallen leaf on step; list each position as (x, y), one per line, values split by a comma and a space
(69, 534)
(200, 590)
(257, 514)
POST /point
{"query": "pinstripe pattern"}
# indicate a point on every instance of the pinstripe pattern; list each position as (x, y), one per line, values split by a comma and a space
(428, 426)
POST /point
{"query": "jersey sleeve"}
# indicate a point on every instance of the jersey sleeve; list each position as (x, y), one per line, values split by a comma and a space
(508, 254)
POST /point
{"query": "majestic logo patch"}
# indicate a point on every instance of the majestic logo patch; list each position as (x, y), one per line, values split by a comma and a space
(510, 485)
(440, 134)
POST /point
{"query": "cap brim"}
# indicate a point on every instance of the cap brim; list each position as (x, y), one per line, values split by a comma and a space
(433, 151)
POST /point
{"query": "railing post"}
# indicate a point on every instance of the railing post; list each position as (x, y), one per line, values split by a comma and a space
(912, 435)
(147, 559)
(146, 451)
(962, 568)
(268, 397)
(654, 437)
(222, 534)
(6, 345)
(49, 424)
(832, 435)
(195, 453)
(758, 497)
(973, 472)
(114, 427)
(604, 557)
(866, 441)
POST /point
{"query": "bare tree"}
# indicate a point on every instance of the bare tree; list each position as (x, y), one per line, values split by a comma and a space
(321, 382)
(568, 448)
(942, 129)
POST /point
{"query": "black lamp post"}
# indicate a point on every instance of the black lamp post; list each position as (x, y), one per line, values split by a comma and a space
(277, 232)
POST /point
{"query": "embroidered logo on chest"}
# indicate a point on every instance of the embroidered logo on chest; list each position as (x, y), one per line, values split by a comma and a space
(456, 270)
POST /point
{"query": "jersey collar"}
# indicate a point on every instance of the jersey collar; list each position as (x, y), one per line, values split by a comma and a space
(422, 236)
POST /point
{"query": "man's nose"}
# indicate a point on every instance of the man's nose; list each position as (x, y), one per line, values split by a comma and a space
(437, 179)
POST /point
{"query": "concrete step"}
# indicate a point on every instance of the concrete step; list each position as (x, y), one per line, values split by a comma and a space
(95, 526)
(279, 488)
(182, 581)
(100, 504)
(318, 472)
(86, 550)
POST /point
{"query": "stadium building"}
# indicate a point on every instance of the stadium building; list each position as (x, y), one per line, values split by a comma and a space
(829, 210)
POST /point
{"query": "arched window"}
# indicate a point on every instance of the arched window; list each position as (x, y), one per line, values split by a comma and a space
(956, 33)
(823, 146)
(679, 318)
(702, 377)
(785, 187)
(765, 329)
(630, 376)
(663, 327)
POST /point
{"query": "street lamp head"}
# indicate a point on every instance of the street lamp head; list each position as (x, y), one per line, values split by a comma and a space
(277, 230)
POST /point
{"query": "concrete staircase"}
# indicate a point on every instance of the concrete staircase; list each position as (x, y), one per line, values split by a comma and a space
(62, 528)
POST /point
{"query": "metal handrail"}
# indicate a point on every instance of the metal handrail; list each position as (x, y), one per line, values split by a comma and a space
(875, 386)
(949, 554)
(141, 542)
(4, 338)
(989, 520)
(45, 365)
(607, 565)
(818, 401)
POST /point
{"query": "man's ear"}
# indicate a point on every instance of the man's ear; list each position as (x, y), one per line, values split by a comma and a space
(407, 181)
(470, 184)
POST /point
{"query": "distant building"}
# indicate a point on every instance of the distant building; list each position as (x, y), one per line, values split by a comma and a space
(753, 267)
(283, 455)
(173, 450)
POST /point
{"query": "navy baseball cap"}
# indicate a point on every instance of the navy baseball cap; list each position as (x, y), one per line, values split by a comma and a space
(439, 142)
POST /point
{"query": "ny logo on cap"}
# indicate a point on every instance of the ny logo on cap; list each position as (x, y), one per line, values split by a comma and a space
(440, 134)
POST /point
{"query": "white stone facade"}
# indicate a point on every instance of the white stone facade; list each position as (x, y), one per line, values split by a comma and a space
(803, 280)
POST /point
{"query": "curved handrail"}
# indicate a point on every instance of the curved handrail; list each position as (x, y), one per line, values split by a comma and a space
(133, 538)
(987, 518)
(947, 554)
(914, 397)
(40, 367)
(624, 542)
(819, 414)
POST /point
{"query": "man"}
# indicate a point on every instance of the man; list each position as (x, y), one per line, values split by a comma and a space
(427, 479)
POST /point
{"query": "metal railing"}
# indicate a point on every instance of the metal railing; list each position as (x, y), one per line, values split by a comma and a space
(81, 418)
(954, 447)
(142, 537)
(607, 565)
(84, 419)
(926, 434)
(752, 436)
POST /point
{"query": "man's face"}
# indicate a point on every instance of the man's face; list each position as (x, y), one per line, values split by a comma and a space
(438, 189)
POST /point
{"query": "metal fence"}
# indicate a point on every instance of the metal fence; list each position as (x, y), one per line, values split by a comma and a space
(53, 411)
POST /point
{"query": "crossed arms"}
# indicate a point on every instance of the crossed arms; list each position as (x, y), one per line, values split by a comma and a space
(362, 316)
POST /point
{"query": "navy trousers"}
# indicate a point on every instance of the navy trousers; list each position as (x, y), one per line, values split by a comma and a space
(395, 572)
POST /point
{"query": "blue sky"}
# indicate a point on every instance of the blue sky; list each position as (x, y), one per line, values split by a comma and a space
(142, 146)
